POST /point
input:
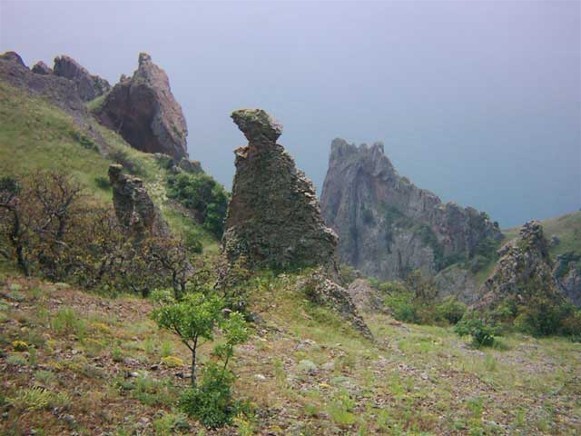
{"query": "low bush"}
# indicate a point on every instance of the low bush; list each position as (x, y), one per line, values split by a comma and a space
(481, 333)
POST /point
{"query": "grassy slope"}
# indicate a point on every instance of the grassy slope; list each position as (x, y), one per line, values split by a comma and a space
(35, 135)
(100, 364)
(566, 227)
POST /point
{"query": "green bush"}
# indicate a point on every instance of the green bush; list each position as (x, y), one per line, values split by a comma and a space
(202, 194)
(211, 400)
(541, 317)
(482, 334)
(451, 310)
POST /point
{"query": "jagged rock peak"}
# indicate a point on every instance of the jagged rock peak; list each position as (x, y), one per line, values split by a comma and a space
(274, 219)
(12, 56)
(144, 111)
(90, 86)
(258, 126)
(387, 226)
(523, 270)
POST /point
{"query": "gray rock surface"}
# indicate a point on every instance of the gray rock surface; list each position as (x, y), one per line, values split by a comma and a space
(364, 296)
(133, 206)
(144, 111)
(273, 217)
(523, 270)
(387, 226)
(567, 271)
(12, 56)
(89, 86)
(41, 68)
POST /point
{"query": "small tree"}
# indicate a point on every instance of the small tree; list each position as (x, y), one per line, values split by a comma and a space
(193, 319)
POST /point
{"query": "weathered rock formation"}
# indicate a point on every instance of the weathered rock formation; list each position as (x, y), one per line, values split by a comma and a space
(57, 90)
(133, 206)
(319, 289)
(89, 86)
(567, 272)
(273, 218)
(523, 271)
(144, 111)
(387, 226)
(41, 68)
(365, 297)
(12, 56)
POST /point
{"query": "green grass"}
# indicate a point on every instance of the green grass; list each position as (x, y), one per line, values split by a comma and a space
(566, 227)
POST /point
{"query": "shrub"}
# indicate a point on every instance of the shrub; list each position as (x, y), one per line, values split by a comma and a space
(202, 194)
(211, 400)
(482, 334)
(451, 310)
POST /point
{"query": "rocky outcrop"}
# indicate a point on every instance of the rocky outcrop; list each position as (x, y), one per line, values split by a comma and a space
(12, 56)
(523, 271)
(387, 226)
(133, 206)
(89, 86)
(144, 111)
(273, 217)
(365, 297)
(319, 289)
(41, 68)
(567, 271)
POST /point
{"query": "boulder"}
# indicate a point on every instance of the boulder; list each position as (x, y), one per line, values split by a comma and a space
(273, 217)
(89, 86)
(41, 68)
(144, 111)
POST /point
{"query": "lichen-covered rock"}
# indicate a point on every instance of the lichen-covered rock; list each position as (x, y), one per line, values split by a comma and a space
(133, 206)
(89, 85)
(524, 270)
(387, 226)
(41, 68)
(273, 217)
(320, 290)
(365, 297)
(567, 271)
(144, 111)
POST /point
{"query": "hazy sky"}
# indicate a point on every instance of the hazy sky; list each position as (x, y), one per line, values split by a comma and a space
(478, 101)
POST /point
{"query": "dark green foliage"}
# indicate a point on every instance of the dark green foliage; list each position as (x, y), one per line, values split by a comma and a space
(542, 317)
(211, 402)
(416, 301)
(103, 183)
(481, 333)
(202, 194)
(450, 309)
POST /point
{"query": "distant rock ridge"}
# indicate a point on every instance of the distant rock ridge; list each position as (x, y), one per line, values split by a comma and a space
(144, 111)
(387, 226)
(274, 219)
(59, 91)
(523, 270)
(89, 86)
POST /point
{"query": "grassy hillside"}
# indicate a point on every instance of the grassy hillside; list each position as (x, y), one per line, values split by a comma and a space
(71, 361)
(34, 135)
(566, 227)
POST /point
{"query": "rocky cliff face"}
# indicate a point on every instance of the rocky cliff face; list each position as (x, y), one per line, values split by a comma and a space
(89, 86)
(387, 226)
(273, 218)
(134, 208)
(567, 271)
(523, 271)
(144, 111)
